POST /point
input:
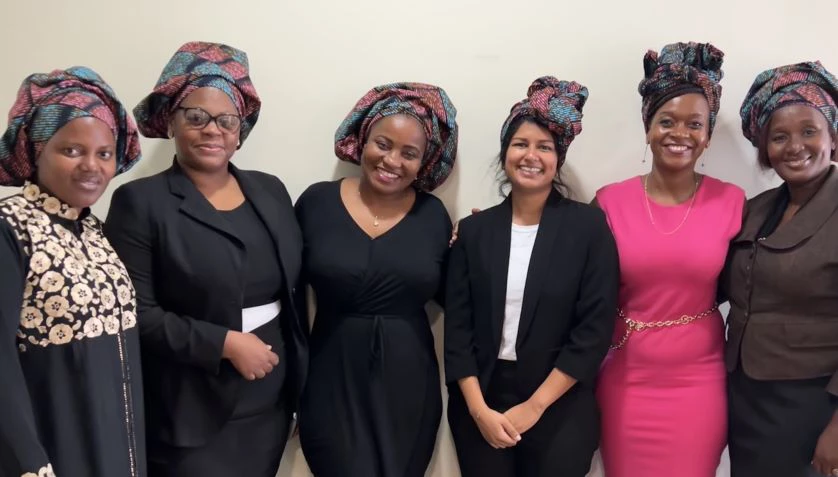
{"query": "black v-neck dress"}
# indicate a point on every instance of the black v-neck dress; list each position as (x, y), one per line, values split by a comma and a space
(372, 404)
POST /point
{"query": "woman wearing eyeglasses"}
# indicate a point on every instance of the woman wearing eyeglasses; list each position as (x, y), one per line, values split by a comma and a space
(214, 253)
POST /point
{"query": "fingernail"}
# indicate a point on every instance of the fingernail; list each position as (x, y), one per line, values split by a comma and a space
(517, 438)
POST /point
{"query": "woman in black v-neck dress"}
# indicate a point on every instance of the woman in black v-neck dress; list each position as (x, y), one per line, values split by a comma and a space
(374, 254)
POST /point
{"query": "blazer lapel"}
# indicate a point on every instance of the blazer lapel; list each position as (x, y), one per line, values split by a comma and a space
(540, 262)
(755, 216)
(810, 218)
(195, 205)
(279, 221)
(501, 239)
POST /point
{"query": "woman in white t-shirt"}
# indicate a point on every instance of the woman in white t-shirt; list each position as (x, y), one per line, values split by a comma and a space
(531, 293)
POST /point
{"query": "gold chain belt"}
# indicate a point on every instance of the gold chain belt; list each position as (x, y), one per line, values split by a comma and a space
(633, 325)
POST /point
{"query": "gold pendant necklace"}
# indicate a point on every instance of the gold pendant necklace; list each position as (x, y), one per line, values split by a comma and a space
(649, 208)
(375, 221)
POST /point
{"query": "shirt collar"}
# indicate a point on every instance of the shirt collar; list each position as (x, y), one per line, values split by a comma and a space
(52, 205)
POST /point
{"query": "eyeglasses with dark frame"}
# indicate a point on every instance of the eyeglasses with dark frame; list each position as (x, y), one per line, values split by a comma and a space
(197, 118)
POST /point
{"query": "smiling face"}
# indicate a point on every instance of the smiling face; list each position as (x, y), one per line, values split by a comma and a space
(531, 161)
(799, 144)
(208, 148)
(679, 132)
(78, 162)
(393, 153)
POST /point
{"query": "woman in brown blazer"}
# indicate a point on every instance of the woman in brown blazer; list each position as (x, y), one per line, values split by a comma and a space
(782, 281)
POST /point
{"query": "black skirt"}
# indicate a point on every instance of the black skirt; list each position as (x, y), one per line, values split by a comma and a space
(774, 426)
(251, 442)
(250, 446)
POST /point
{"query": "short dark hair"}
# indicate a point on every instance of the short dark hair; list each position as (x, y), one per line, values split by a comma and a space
(503, 180)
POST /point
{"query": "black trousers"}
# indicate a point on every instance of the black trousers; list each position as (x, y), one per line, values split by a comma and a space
(774, 425)
(560, 444)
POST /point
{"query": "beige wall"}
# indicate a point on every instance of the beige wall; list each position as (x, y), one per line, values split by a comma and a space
(311, 61)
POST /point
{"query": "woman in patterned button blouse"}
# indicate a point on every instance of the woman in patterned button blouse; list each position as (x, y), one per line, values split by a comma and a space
(71, 399)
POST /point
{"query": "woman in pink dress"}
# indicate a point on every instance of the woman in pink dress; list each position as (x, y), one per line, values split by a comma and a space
(662, 386)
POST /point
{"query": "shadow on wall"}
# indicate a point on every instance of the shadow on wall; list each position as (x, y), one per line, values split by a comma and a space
(447, 192)
(345, 169)
(157, 158)
(733, 159)
(574, 184)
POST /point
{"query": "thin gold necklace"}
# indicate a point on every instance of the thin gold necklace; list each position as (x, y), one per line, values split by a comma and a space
(649, 208)
(376, 219)
(375, 222)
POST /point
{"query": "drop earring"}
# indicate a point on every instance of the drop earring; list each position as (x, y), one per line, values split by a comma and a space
(645, 150)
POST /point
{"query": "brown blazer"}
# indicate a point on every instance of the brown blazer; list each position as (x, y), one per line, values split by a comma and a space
(783, 291)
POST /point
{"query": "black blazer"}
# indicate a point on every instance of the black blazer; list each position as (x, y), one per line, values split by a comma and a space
(570, 295)
(186, 263)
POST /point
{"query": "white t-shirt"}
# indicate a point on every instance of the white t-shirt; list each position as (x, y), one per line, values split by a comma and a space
(520, 250)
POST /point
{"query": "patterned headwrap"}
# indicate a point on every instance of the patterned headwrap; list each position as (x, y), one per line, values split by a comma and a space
(427, 103)
(556, 103)
(197, 65)
(45, 103)
(803, 83)
(681, 68)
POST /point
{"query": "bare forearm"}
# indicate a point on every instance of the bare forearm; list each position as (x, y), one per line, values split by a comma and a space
(470, 388)
(554, 387)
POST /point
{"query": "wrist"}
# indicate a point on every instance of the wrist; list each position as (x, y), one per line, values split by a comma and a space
(831, 427)
(478, 410)
(227, 349)
(537, 404)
